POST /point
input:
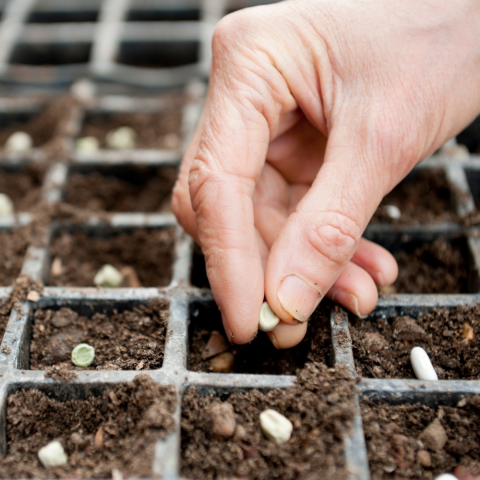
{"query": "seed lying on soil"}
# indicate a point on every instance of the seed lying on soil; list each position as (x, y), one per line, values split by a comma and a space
(87, 144)
(122, 138)
(216, 344)
(467, 333)
(421, 364)
(392, 211)
(434, 436)
(268, 318)
(6, 205)
(424, 458)
(83, 355)
(275, 426)
(222, 363)
(223, 420)
(52, 455)
(446, 476)
(108, 276)
(19, 142)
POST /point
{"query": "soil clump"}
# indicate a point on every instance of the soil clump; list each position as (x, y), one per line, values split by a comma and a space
(451, 337)
(23, 187)
(320, 407)
(115, 430)
(14, 246)
(128, 340)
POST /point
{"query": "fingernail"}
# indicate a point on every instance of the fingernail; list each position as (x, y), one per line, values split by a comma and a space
(226, 326)
(298, 298)
(347, 300)
(272, 338)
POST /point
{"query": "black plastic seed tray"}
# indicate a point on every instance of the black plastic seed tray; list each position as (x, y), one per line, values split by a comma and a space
(141, 42)
(463, 175)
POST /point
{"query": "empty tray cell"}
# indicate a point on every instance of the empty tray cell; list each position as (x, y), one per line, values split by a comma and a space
(14, 245)
(78, 255)
(158, 14)
(69, 15)
(259, 356)
(122, 189)
(39, 124)
(421, 440)
(158, 54)
(23, 186)
(153, 130)
(125, 336)
(320, 407)
(451, 337)
(470, 137)
(423, 197)
(426, 265)
(51, 54)
(198, 275)
(101, 427)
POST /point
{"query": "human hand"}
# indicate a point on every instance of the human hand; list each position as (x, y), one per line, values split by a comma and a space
(316, 110)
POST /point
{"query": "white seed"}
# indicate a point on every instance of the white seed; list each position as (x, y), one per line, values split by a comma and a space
(52, 455)
(19, 142)
(268, 318)
(446, 476)
(83, 90)
(392, 211)
(6, 205)
(122, 138)
(87, 144)
(421, 364)
(275, 426)
(108, 276)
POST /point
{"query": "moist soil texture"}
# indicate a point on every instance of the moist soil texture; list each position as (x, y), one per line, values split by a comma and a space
(14, 245)
(437, 267)
(96, 191)
(127, 340)
(116, 430)
(148, 251)
(24, 187)
(154, 130)
(320, 407)
(425, 198)
(42, 126)
(259, 356)
(451, 337)
(397, 449)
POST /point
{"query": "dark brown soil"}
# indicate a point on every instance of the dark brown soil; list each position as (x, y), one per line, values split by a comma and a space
(95, 191)
(41, 127)
(320, 407)
(151, 128)
(148, 251)
(425, 198)
(393, 438)
(381, 347)
(437, 267)
(24, 188)
(259, 356)
(14, 245)
(127, 340)
(115, 430)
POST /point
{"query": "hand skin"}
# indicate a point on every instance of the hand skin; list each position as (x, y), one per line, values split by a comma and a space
(317, 109)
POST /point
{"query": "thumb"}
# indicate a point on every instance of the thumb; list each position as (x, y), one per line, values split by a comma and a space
(321, 236)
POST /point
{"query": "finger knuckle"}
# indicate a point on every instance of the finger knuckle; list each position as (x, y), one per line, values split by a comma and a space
(335, 236)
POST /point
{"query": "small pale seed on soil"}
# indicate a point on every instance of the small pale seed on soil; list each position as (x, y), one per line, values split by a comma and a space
(424, 458)
(130, 278)
(222, 363)
(216, 344)
(33, 296)
(434, 436)
(99, 438)
(240, 433)
(223, 420)
(56, 268)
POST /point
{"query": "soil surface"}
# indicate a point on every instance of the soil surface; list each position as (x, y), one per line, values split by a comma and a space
(425, 198)
(152, 129)
(320, 407)
(115, 430)
(41, 127)
(14, 245)
(437, 267)
(451, 337)
(24, 187)
(259, 356)
(96, 191)
(394, 439)
(148, 251)
(128, 340)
